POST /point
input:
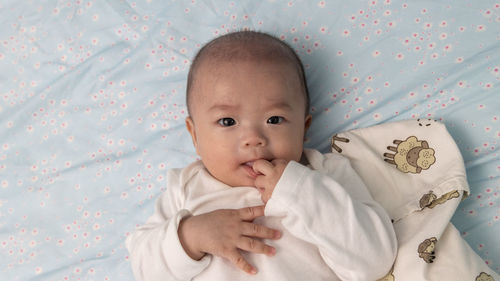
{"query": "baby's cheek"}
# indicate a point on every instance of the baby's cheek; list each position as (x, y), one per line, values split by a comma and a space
(289, 152)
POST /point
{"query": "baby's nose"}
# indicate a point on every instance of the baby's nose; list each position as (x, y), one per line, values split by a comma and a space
(255, 142)
(254, 138)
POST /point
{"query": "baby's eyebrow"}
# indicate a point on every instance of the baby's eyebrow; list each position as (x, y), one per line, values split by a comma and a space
(222, 107)
(230, 107)
(280, 105)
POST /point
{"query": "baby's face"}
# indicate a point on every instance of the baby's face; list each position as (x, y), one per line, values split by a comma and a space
(246, 111)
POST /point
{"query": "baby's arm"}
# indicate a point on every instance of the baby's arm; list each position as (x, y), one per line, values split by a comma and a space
(224, 233)
(353, 232)
(163, 248)
(155, 251)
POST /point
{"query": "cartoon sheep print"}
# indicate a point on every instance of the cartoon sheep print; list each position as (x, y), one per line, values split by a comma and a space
(426, 250)
(484, 277)
(430, 200)
(337, 138)
(411, 155)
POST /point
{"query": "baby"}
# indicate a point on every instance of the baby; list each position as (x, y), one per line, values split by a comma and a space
(258, 206)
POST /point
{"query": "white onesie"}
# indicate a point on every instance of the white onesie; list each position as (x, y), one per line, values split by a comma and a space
(332, 229)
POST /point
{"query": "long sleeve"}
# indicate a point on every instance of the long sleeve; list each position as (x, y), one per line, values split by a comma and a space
(333, 210)
(155, 250)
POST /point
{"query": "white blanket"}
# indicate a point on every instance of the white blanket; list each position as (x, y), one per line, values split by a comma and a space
(415, 170)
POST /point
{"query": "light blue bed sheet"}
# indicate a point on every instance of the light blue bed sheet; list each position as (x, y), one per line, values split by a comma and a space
(92, 108)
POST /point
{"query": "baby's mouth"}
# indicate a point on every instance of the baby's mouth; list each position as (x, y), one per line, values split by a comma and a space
(249, 168)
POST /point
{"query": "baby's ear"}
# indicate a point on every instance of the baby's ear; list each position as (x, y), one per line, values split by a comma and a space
(307, 122)
(191, 130)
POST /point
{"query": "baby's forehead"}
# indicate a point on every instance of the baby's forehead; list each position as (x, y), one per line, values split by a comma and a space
(216, 66)
(214, 74)
(275, 83)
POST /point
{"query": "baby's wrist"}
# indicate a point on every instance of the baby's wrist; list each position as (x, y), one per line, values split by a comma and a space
(188, 241)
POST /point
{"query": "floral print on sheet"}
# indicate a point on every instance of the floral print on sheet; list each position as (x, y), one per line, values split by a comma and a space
(92, 108)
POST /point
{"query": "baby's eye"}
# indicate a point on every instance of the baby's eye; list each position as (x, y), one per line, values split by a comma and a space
(275, 120)
(226, 122)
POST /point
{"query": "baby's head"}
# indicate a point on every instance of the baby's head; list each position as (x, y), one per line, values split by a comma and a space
(241, 46)
(247, 99)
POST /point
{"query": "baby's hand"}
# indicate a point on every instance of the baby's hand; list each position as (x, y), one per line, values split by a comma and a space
(224, 233)
(269, 175)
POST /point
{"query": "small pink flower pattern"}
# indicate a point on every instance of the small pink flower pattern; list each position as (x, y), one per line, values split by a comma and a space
(92, 108)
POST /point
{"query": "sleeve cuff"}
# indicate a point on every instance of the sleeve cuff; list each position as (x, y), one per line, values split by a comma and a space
(183, 266)
(285, 191)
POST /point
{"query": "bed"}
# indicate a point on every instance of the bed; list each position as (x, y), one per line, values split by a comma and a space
(92, 108)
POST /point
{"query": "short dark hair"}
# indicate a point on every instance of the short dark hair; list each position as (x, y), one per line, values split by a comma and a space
(246, 45)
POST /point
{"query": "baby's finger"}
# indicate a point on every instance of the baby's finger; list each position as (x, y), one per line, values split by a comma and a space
(237, 259)
(263, 167)
(251, 213)
(255, 246)
(259, 231)
(260, 183)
